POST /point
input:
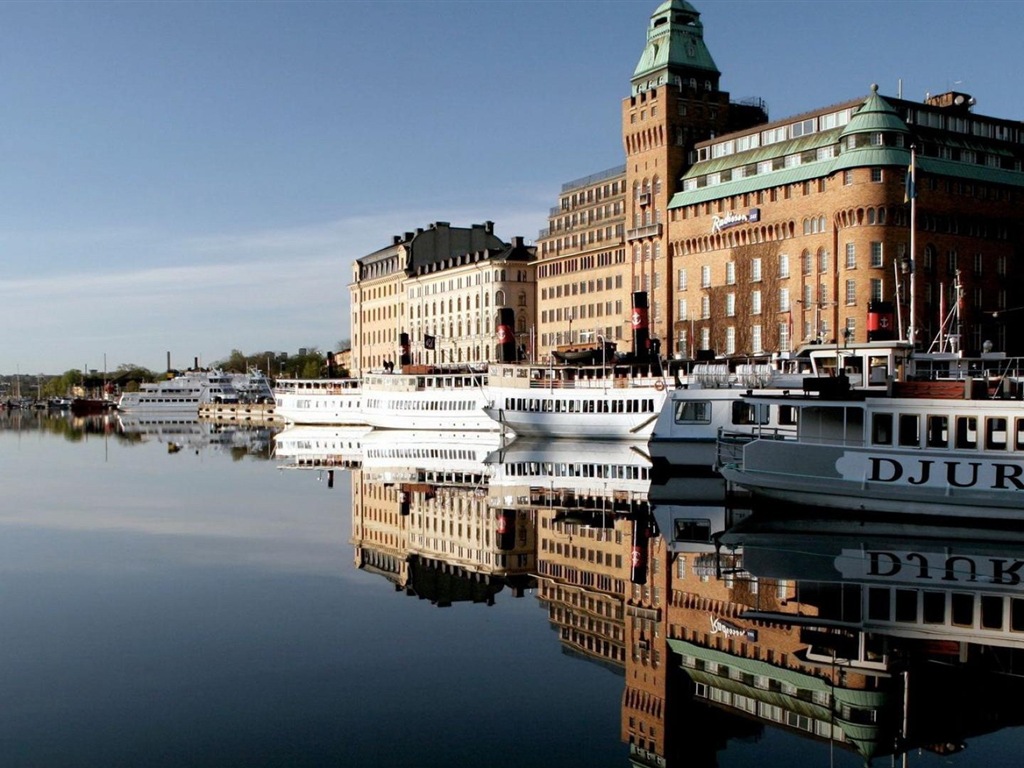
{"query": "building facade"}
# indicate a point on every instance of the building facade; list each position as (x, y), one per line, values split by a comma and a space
(431, 297)
(794, 231)
(750, 236)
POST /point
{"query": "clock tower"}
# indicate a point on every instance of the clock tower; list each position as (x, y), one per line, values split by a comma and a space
(675, 102)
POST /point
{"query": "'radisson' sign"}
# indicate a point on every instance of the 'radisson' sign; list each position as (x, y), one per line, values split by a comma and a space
(733, 219)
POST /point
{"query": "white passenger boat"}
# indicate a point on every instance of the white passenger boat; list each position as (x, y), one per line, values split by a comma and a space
(923, 447)
(184, 393)
(426, 398)
(326, 402)
(253, 387)
(711, 399)
(578, 402)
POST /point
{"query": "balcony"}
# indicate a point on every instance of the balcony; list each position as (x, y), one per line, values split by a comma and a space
(651, 230)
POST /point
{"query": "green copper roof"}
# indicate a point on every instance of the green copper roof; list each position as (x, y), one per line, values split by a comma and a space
(675, 42)
(875, 115)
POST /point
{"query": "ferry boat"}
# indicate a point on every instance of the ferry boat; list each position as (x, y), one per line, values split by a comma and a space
(423, 397)
(569, 401)
(939, 447)
(711, 398)
(325, 402)
(592, 392)
(184, 392)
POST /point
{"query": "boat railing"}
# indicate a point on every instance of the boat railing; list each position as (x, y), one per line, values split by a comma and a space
(316, 386)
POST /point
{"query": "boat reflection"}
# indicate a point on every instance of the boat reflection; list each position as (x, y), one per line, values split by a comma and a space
(183, 432)
(876, 639)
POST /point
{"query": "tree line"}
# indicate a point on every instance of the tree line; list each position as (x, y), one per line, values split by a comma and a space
(310, 364)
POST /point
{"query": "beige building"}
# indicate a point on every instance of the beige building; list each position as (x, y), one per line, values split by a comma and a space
(431, 297)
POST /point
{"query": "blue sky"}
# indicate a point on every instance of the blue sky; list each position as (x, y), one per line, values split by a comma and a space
(189, 178)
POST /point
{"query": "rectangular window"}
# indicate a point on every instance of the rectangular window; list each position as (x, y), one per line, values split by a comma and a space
(784, 336)
(755, 269)
(755, 303)
(730, 273)
(876, 254)
(851, 292)
(784, 265)
(876, 175)
(881, 429)
(730, 304)
(681, 280)
(783, 299)
(876, 289)
(910, 426)
(705, 276)
(995, 433)
(851, 256)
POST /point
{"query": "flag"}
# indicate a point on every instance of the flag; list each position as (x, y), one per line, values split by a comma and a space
(911, 189)
(428, 341)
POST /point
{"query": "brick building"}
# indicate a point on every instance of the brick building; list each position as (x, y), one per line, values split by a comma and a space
(752, 236)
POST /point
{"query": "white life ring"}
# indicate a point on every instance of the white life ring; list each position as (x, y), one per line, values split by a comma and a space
(659, 385)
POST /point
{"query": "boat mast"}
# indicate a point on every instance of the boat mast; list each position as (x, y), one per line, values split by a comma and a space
(911, 195)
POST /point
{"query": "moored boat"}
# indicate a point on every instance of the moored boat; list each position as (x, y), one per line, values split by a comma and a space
(568, 401)
(184, 392)
(711, 398)
(424, 397)
(936, 447)
(325, 402)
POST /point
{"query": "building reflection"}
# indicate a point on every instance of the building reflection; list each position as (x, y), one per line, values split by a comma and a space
(869, 638)
(422, 516)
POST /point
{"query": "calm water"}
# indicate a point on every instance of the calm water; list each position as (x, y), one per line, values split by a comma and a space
(179, 598)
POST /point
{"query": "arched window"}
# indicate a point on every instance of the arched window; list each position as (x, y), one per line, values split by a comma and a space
(499, 298)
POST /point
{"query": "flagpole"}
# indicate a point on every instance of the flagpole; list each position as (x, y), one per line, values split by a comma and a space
(912, 195)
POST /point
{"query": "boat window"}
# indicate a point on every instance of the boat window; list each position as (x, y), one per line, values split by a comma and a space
(938, 431)
(995, 433)
(881, 429)
(961, 606)
(906, 605)
(744, 413)
(694, 412)
(879, 601)
(966, 432)
(933, 607)
(910, 429)
(692, 530)
(1017, 614)
(991, 612)
(788, 415)
(1019, 440)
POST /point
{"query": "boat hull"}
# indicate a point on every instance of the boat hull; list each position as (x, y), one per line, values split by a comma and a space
(921, 482)
(319, 403)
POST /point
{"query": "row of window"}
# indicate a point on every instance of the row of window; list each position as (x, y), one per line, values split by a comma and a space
(993, 433)
(564, 405)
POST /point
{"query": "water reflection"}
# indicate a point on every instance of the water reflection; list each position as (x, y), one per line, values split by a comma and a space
(873, 640)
